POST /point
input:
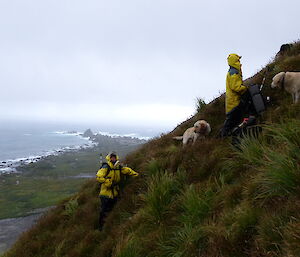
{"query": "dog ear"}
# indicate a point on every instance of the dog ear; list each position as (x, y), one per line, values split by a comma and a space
(277, 80)
(281, 76)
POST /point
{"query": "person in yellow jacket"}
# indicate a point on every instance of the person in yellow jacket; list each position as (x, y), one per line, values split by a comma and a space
(234, 90)
(109, 175)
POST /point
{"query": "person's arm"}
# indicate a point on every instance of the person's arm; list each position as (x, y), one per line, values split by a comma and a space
(128, 171)
(101, 177)
(236, 84)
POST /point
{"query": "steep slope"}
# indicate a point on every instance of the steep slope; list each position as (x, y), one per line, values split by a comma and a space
(206, 200)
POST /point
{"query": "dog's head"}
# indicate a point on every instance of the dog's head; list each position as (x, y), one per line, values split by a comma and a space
(277, 80)
(200, 126)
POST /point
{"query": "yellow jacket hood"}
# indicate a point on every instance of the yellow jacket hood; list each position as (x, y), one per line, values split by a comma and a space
(234, 61)
(110, 163)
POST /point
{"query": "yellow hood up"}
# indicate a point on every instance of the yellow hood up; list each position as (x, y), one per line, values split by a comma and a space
(234, 61)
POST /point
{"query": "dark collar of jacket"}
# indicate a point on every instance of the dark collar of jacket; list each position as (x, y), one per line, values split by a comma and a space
(233, 71)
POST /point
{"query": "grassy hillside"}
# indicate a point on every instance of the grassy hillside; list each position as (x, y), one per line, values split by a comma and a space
(206, 200)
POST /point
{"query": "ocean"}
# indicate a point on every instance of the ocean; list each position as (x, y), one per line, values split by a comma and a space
(28, 142)
(25, 144)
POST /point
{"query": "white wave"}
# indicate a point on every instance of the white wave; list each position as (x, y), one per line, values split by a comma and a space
(67, 133)
(131, 135)
(7, 170)
(11, 165)
(58, 132)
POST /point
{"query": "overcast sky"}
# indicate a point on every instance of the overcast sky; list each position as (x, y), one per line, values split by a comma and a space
(130, 61)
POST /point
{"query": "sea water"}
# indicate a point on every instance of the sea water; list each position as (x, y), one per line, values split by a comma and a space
(28, 143)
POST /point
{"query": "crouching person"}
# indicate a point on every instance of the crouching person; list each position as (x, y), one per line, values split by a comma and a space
(109, 176)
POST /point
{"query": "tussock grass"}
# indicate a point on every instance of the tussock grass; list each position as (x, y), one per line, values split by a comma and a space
(240, 223)
(129, 248)
(276, 158)
(200, 104)
(270, 234)
(162, 190)
(196, 206)
(71, 207)
(291, 235)
(184, 241)
(154, 167)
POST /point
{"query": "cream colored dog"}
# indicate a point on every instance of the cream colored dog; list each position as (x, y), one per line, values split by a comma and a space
(201, 129)
(290, 81)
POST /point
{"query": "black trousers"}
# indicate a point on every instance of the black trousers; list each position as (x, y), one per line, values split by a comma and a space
(233, 118)
(107, 205)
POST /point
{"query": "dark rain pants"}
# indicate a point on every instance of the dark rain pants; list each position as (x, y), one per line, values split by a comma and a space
(233, 118)
(236, 115)
(107, 205)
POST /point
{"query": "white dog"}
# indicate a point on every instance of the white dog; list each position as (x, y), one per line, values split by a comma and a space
(201, 129)
(290, 81)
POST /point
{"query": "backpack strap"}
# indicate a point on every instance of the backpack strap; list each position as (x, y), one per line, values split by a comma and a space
(107, 167)
(119, 168)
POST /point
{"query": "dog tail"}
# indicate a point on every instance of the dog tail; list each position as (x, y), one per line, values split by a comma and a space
(178, 138)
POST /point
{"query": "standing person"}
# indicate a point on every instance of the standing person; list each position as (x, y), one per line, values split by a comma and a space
(234, 90)
(109, 176)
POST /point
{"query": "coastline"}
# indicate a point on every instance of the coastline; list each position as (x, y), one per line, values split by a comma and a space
(14, 166)
(10, 166)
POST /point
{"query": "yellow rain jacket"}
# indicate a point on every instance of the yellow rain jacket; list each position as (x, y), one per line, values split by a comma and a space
(234, 82)
(110, 177)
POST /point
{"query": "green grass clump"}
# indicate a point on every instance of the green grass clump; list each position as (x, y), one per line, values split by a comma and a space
(196, 206)
(241, 222)
(291, 237)
(280, 168)
(154, 166)
(280, 177)
(71, 207)
(271, 160)
(129, 248)
(200, 104)
(162, 190)
(184, 241)
(270, 233)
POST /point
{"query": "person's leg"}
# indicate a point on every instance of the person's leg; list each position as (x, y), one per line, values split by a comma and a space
(107, 205)
(103, 204)
(233, 118)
